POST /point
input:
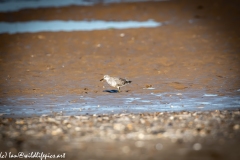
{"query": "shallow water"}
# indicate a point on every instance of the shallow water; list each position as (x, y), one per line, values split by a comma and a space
(115, 103)
(69, 26)
(13, 5)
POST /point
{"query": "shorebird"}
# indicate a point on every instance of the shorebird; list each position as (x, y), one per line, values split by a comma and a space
(115, 81)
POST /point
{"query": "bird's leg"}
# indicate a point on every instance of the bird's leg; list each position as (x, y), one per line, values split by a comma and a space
(118, 89)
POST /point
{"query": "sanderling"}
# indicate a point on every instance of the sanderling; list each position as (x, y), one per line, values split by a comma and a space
(115, 81)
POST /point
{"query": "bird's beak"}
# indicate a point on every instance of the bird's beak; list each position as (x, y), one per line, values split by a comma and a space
(101, 79)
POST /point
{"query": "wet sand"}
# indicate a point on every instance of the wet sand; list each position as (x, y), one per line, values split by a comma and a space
(197, 49)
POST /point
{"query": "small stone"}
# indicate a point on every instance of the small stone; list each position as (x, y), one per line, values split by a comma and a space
(148, 86)
(69, 125)
(122, 35)
(41, 37)
(19, 122)
(57, 131)
(236, 127)
(197, 146)
(130, 127)
(141, 136)
(118, 126)
(77, 128)
(105, 118)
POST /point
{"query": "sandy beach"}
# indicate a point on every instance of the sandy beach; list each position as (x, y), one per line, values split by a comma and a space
(194, 54)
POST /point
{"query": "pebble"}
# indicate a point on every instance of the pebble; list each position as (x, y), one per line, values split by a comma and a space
(57, 131)
(174, 127)
(197, 146)
(118, 126)
(236, 127)
(122, 34)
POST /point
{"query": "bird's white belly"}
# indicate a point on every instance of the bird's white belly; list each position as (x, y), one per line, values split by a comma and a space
(112, 83)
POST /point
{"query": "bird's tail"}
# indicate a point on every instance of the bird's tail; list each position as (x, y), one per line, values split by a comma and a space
(129, 81)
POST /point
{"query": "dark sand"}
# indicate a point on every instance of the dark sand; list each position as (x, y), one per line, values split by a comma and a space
(199, 49)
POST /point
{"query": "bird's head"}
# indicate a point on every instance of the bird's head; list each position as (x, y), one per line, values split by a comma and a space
(105, 77)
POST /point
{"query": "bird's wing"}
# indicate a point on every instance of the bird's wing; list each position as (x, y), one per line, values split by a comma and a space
(123, 81)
